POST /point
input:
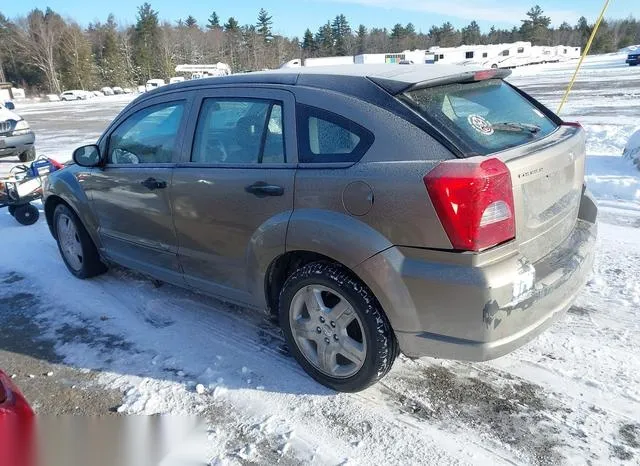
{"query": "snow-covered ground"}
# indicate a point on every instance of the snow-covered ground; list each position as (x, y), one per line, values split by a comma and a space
(571, 396)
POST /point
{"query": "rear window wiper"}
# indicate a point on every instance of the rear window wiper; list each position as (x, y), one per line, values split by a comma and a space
(516, 127)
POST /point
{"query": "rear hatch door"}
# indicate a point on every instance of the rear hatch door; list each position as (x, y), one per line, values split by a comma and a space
(547, 178)
(483, 115)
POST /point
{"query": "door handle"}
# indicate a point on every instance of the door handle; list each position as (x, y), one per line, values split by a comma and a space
(262, 189)
(152, 184)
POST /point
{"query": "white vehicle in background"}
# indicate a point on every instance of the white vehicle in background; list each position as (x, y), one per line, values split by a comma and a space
(98, 94)
(118, 90)
(154, 84)
(296, 63)
(176, 79)
(128, 90)
(107, 91)
(205, 71)
(141, 89)
(74, 95)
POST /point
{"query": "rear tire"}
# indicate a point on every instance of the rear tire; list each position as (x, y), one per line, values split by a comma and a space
(76, 247)
(28, 156)
(342, 338)
(26, 214)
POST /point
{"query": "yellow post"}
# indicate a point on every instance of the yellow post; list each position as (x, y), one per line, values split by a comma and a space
(584, 54)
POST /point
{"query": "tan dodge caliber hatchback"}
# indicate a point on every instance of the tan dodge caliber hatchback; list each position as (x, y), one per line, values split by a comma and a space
(429, 210)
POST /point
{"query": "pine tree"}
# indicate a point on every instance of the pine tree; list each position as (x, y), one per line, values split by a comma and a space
(603, 42)
(583, 30)
(341, 35)
(536, 28)
(191, 22)
(324, 40)
(397, 32)
(361, 39)
(214, 21)
(145, 44)
(471, 35)
(231, 25)
(232, 30)
(264, 25)
(449, 37)
(110, 61)
(309, 44)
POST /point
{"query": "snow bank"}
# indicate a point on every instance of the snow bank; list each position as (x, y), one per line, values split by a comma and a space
(632, 150)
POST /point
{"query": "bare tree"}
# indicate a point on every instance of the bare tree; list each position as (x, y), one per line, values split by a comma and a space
(126, 48)
(77, 59)
(37, 36)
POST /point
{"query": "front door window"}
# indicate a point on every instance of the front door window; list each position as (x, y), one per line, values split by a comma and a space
(148, 136)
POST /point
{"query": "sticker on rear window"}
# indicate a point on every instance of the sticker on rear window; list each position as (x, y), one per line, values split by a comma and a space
(480, 124)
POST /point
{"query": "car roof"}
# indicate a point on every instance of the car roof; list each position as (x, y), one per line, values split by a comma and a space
(393, 78)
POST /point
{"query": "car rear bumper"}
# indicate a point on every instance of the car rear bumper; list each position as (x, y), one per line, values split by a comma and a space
(633, 61)
(16, 145)
(480, 312)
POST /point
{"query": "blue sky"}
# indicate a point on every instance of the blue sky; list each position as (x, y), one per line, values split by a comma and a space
(292, 17)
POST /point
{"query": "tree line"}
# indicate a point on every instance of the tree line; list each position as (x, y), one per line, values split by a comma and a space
(45, 52)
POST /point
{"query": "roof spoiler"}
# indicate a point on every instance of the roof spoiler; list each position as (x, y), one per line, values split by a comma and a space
(398, 87)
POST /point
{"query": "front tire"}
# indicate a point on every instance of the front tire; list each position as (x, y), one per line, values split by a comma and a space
(78, 252)
(335, 327)
(28, 156)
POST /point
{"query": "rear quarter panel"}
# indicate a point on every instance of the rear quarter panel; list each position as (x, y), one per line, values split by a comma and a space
(382, 196)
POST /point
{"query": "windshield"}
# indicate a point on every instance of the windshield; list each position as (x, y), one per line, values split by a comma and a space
(489, 116)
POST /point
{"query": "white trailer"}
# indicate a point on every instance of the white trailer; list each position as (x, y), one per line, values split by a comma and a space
(370, 59)
(507, 55)
(204, 71)
(458, 55)
(564, 52)
(329, 61)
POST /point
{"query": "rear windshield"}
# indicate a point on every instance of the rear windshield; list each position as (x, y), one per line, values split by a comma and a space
(489, 116)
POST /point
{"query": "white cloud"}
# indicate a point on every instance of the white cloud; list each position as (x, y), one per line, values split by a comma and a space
(492, 11)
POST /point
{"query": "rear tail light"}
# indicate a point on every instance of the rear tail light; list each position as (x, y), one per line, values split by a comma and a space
(474, 202)
(574, 124)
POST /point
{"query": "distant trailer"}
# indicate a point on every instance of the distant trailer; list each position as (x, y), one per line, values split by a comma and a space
(370, 59)
(204, 71)
(329, 61)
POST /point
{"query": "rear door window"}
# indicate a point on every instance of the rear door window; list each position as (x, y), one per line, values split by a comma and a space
(489, 116)
(325, 137)
(239, 131)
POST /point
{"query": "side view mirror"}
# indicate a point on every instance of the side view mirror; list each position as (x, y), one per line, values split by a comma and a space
(87, 156)
(9, 105)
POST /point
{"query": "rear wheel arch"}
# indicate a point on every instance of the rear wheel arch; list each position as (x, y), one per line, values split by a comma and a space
(285, 265)
(373, 345)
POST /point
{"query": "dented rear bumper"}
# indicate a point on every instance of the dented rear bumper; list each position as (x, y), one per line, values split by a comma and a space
(484, 311)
